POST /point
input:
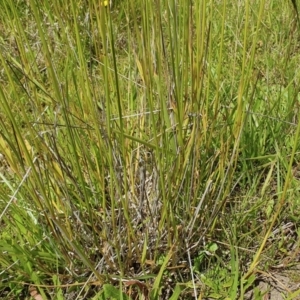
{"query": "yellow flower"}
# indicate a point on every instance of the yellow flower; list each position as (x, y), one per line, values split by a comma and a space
(104, 3)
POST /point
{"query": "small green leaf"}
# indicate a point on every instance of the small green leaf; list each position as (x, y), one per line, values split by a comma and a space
(111, 292)
(213, 247)
(248, 282)
(215, 296)
(177, 291)
(156, 285)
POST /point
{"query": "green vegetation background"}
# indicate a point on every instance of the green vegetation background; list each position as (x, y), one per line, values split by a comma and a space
(148, 149)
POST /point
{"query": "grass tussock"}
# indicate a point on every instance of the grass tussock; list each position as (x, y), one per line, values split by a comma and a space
(148, 149)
